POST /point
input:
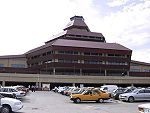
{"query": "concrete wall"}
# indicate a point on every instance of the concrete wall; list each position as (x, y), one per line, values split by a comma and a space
(139, 68)
(8, 62)
(73, 79)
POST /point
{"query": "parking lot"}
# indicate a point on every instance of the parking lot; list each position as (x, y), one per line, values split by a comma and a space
(50, 102)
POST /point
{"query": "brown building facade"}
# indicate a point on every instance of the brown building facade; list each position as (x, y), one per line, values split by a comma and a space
(78, 51)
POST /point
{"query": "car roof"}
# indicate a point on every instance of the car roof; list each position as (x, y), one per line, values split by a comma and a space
(9, 87)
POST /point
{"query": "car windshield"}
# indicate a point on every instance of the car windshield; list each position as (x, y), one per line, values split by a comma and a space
(13, 90)
(119, 90)
(135, 91)
(127, 90)
(82, 91)
(77, 90)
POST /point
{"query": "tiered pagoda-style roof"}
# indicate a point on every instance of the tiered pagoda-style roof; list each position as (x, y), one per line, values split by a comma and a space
(77, 34)
(77, 29)
(77, 22)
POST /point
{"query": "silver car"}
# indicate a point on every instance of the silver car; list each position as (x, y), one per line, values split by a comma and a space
(136, 95)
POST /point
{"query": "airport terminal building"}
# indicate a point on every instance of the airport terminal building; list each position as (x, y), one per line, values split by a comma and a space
(79, 51)
(76, 52)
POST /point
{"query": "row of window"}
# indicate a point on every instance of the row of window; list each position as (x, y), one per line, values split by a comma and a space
(18, 65)
(1, 65)
(68, 52)
(81, 53)
(78, 61)
(116, 55)
(90, 54)
(67, 61)
(139, 70)
(85, 37)
(81, 61)
(92, 62)
(14, 65)
(117, 63)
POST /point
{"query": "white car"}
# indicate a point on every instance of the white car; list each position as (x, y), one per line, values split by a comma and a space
(60, 89)
(109, 88)
(144, 108)
(12, 90)
(7, 105)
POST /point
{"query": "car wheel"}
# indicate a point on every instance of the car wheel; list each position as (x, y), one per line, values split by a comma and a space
(116, 97)
(77, 100)
(100, 100)
(5, 109)
(131, 99)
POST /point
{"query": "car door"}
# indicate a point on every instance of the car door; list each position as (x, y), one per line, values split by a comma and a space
(147, 94)
(87, 95)
(140, 95)
(95, 95)
(13, 91)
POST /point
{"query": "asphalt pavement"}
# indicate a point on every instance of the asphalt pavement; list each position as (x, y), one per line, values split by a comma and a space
(50, 102)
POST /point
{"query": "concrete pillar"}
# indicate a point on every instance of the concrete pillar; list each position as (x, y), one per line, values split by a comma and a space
(40, 85)
(81, 85)
(80, 71)
(37, 84)
(49, 86)
(54, 71)
(105, 72)
(73, 84)
(127, 73)
(3, 83)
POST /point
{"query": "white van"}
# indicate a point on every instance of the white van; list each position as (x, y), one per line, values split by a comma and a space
(109, 88)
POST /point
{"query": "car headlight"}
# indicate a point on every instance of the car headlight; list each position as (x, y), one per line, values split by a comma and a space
(72, 96)
(122, 96)
(18, 103)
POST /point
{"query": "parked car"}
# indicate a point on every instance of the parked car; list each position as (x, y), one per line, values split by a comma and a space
(144, 108)
(119, 91)
(108, 88)
(55, 89)
(21, 88)
(90, 95)
(67, 92)
(62, 89)
(136, 95)
(8, 105)
(79, 91)
(6, 94)
(13, 91)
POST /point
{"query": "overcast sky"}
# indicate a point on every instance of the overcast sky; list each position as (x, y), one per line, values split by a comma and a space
(27, 24)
